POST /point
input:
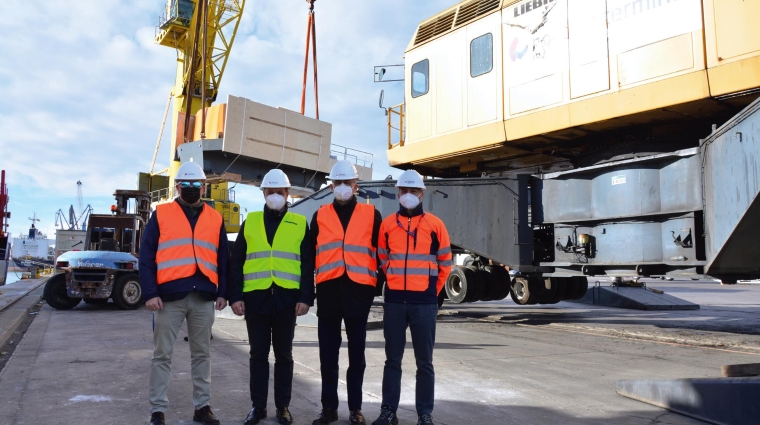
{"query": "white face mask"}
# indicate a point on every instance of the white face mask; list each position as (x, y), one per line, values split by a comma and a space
(343, 192)
(409, 201)
(275, 202)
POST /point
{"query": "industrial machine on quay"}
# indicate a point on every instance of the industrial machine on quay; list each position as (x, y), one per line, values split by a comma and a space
(570, 139)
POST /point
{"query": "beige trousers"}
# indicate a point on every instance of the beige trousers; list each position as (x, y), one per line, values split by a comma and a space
(200, 316)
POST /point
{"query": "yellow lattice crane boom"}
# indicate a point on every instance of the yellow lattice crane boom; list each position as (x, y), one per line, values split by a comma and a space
(202, 32)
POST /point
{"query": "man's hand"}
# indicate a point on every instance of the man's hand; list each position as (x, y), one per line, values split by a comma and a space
(301, 309)
(238, 308)
(221, 303)
(154, 304)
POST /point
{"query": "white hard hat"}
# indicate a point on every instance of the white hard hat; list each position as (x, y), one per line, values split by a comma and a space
(410, 178)
(343, 170)
(276, 179)
(190, 171)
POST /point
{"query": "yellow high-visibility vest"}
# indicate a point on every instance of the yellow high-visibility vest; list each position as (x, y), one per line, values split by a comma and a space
(279, 263)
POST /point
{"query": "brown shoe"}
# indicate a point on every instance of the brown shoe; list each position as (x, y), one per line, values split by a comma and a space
(205, 416)
(355, 417)
(326, 416)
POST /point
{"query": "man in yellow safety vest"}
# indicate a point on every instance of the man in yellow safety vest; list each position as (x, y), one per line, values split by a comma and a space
(272, 282)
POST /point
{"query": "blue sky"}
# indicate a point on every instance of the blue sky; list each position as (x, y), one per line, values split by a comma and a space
(84, 87)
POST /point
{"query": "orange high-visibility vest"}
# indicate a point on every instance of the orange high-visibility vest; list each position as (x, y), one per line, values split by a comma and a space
(407, 254)
(348, 252)
(180, 249)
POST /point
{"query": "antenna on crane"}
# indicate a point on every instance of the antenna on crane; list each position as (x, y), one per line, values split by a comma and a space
(80, 207)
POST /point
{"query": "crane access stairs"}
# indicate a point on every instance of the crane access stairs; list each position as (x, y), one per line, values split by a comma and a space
(692, 213)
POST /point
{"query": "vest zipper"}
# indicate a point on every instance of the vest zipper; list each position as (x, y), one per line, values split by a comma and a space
(406, 257)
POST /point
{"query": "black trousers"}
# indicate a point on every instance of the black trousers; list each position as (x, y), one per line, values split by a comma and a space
(329, 329)
(274, 329)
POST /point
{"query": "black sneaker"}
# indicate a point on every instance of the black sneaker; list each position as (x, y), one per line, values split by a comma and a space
(355, 417)
(255, 415)
(205, 416)
(157, 418)
(387, 416)
(426, 419)
(283, 416)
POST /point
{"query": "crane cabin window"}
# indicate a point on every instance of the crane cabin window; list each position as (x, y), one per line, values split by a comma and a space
(481, 55)
(420, 72)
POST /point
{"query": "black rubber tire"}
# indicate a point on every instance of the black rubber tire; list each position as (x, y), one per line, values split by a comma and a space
(95, 300)
(493, 279)
(582, 287)
(560, 285)
(573, 288)
(456, 285)
(472, 284)
(507, 285)
(505, 281)
(56, 296)
(484, 285)
(127, 293)
(520, 291)
(542, 293)
(473, 280)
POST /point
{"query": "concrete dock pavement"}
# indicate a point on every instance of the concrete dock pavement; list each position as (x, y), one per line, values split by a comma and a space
(90, 365)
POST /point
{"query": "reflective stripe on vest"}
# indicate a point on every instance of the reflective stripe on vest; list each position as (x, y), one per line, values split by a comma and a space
(349, 252)
(279, 263)
(181, 249)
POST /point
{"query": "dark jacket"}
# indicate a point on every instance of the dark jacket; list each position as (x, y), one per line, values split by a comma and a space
(179, 288)
(272, 300)
(343, 294)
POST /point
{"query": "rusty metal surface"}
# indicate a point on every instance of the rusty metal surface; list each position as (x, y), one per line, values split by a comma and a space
(93, 285)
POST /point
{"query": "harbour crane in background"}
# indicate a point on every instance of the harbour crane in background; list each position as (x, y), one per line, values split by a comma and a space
(77, 220)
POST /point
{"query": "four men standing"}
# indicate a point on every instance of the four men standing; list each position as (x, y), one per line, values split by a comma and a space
(272, 274)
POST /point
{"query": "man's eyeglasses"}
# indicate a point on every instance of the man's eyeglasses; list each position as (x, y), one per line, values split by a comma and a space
(186, 185)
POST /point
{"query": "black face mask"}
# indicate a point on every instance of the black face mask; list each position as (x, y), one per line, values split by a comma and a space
(190, 195)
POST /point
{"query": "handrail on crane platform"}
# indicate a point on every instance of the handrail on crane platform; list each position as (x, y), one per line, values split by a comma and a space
(364, 159)
(400, 111)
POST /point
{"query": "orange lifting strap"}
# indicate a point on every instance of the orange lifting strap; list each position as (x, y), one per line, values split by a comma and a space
(311, 35)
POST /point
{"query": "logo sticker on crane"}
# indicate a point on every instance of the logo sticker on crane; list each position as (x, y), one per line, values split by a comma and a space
(616, 180)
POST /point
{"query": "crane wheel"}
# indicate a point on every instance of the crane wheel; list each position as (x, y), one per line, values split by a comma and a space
(457, 285)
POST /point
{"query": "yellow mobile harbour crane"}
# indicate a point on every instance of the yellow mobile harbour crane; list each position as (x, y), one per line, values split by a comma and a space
(202, 32)
(577, 138)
